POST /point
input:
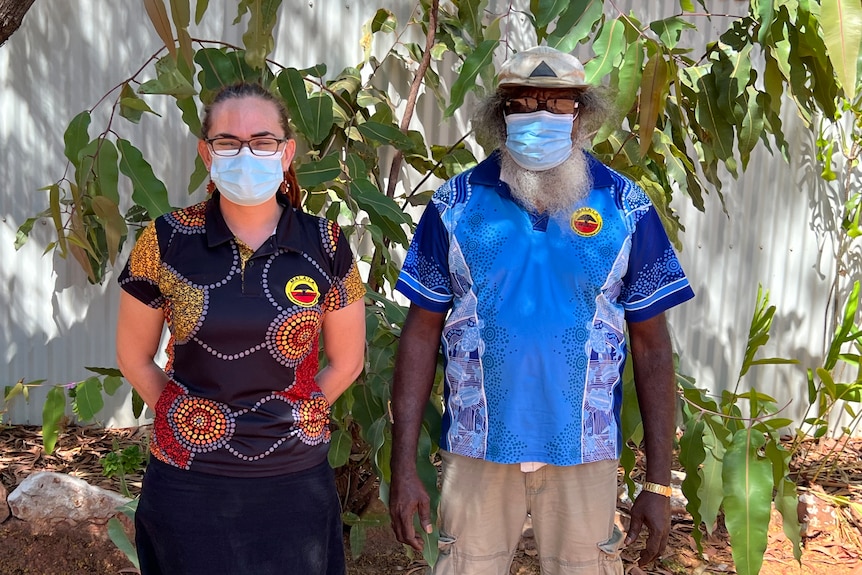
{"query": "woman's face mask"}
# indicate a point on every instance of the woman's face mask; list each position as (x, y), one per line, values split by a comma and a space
(540, 140)
(246, 179)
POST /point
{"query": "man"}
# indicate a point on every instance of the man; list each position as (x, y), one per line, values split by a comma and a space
(529, 268)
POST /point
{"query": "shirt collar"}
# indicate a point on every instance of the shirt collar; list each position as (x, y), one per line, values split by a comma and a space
(488, 172)
(287, 232)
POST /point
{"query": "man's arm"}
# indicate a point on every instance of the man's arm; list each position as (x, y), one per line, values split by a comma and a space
(415, 366)
(652, 358)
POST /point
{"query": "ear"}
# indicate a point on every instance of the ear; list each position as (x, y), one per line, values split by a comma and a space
(287, 156)
(205, 154)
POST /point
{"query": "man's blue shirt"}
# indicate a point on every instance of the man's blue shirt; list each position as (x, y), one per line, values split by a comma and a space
(534, 343)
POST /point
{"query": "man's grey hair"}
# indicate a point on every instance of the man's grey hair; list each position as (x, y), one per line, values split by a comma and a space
(489, 123)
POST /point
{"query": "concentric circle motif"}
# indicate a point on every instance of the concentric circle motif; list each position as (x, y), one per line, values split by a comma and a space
(312, 420)
(292, 336)
(200, 425)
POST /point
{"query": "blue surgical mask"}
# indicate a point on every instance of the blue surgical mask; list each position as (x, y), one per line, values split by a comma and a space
(541, 140)
(246, 179)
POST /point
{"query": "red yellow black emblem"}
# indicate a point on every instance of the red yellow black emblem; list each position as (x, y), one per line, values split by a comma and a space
(586, 222)
(302, 290)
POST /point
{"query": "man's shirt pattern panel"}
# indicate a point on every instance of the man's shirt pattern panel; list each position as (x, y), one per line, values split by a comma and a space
(244, 329)
(534, 344)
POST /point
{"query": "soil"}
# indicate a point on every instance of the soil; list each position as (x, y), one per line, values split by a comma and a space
(88, 551)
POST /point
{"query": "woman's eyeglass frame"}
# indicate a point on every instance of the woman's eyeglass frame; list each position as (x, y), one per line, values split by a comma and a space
(262, 146)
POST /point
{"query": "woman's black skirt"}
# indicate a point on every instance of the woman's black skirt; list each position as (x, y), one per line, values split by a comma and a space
(190, 523)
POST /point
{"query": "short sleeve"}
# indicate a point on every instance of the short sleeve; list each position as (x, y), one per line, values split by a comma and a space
(140, 277)
(424, 277)
(347, 286)
(655, 281)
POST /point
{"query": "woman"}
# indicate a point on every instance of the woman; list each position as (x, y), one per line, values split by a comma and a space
(238, 481)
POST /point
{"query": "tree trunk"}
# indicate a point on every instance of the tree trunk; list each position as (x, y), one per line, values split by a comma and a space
(11, 15)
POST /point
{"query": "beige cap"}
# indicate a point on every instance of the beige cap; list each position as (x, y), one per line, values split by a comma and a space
(543, 67)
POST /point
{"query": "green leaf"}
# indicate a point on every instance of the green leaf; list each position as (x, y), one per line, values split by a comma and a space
(386, 134)
(23, 233)
(217, 69)
(692, 455)
(52, 412)
(132, 107)
(670, 30)
(199, 175)
(118, 536)
(190, 115)
(107, 171)
(258, 38)
(575, 24)
(382, 21)
(786, 498)
(137, 403)
(77, 137)
(312, 174)
(340, 445)
(842, 334)
(108, 213)
(547, 10)
(88, 398)
(479, 59)
(112, 383)
(200, 9)
(357, 539)
(169, 80)
(470, 15)
(841, 21)
(291, 86)
(148, 190)
(747, 500)
(382, 210)
(609, 48)
(106, 371)
(711, 491)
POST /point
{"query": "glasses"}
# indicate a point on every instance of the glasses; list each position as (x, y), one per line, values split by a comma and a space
(228, 147)
(529, 105)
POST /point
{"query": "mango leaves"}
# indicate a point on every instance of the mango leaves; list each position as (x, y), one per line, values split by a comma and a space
(738, 464)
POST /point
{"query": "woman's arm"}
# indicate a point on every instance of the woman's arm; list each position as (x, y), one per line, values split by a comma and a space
(344, 346)
(139, 330)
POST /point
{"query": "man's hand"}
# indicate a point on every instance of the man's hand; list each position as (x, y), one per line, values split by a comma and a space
(652, 510)
(407, 497)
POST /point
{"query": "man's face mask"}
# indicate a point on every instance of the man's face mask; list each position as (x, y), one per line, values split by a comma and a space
(540, 140)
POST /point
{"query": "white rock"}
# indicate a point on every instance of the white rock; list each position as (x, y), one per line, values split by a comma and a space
(49, 498)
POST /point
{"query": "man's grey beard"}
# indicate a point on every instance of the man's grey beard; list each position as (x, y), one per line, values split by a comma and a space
(552, 191)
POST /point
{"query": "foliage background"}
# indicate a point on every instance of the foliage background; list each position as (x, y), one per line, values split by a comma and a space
(704, 270)
(65, 57)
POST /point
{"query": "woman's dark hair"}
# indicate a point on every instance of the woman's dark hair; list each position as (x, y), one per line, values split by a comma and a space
(252, 90)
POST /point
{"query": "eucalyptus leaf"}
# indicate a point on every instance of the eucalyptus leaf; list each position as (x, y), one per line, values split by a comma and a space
(148, 190)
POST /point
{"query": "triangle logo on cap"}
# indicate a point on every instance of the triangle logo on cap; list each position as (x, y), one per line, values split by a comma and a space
(543, 70)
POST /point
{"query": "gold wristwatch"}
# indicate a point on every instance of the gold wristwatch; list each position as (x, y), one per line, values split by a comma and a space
(657, 488)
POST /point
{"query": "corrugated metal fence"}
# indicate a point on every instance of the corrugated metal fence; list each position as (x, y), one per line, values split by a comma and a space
(67, 55)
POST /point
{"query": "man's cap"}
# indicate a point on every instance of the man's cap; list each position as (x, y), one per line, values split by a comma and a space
(542, 67)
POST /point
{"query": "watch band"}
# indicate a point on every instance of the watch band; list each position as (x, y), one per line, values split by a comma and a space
(658, 488)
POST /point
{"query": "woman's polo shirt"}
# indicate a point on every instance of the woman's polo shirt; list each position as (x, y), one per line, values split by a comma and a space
(244, 333)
